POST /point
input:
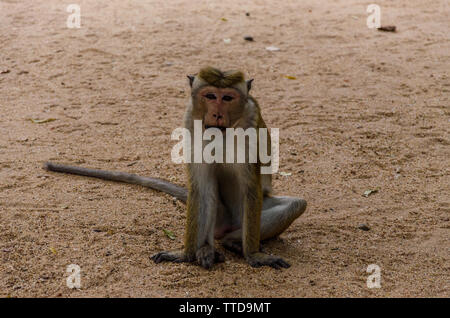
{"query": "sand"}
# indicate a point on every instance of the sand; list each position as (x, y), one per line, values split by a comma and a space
(361, 110)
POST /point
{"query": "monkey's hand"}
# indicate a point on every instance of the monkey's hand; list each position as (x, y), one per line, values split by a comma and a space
(205, 256)
(176, 256)
(261, 259)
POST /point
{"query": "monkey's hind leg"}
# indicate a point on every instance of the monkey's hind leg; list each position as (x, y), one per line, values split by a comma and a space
(278, 213)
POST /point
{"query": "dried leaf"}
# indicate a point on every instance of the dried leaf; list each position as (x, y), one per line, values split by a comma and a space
(290, 77)
(169, 234)
(369, 192)
(272, 48)
(53, 250)
(224, 19)
(41, 121)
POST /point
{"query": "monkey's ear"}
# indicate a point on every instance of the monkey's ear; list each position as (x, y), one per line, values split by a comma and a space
(249, 84)
(191, 79)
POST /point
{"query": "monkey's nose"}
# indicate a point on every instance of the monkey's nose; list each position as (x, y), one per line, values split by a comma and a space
(217, 116)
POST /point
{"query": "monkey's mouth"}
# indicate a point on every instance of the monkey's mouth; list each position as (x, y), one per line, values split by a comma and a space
(222, 128)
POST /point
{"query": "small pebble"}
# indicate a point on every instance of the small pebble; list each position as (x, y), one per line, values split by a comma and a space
(363, 227)
(248, 38)
(387, 28)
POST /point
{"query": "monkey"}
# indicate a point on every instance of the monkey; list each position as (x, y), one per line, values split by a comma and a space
(229, 202)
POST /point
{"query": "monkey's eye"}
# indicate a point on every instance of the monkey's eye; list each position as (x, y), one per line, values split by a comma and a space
(210, 96)
(227, 98)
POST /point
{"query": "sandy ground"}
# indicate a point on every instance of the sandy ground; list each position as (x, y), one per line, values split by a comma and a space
(366, 110)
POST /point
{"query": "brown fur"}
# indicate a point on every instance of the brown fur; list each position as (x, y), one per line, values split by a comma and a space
(217, 78)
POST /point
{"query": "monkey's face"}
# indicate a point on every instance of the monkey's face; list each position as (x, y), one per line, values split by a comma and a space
(220, 107)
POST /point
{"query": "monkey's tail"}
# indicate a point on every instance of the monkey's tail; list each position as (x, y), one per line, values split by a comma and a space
(154, 183)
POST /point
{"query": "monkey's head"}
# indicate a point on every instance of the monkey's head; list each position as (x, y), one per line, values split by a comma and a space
(219, 98)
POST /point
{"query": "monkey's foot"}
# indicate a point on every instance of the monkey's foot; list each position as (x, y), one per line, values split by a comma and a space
(233, 246)
(177, 256)
(207, 256)
(261, 259)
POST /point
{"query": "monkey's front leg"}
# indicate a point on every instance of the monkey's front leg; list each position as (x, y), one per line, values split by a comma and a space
(202, 205)
(251, 235)
(199, 241)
